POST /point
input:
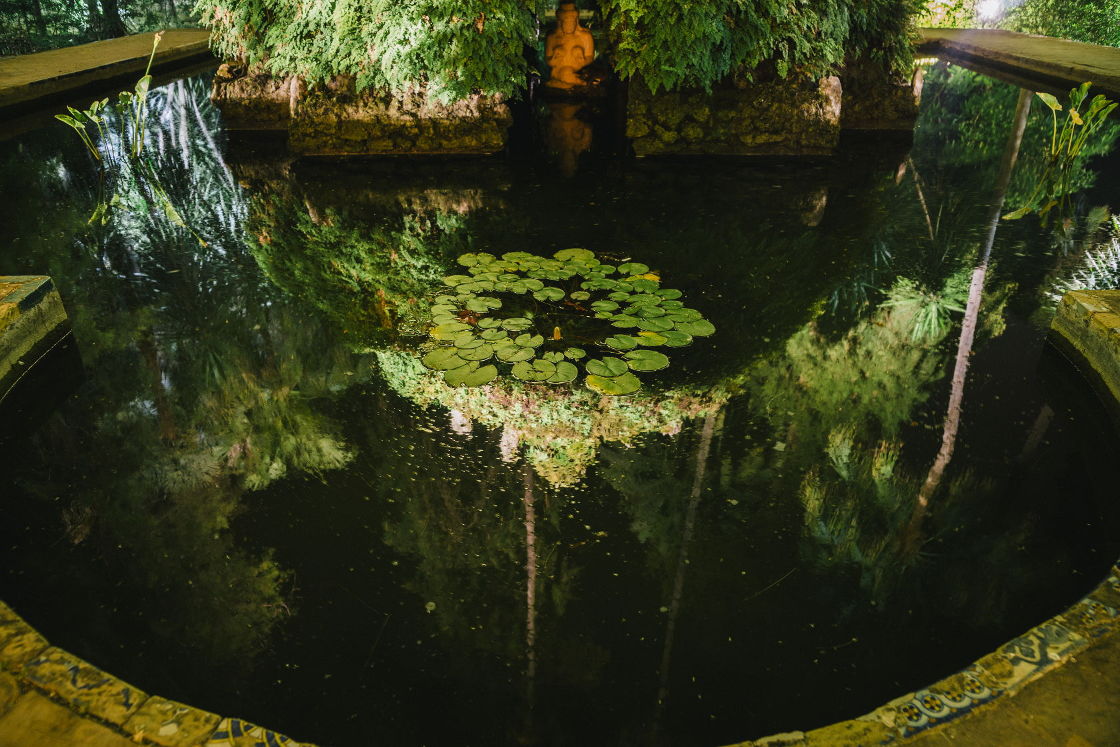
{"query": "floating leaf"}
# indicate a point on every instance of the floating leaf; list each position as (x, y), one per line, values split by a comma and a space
(517, 324)
(513, 353)
(623, 321)
(491, 335)
(534, 285)
(621, 342)
(454, 280)
(575, 353)
(669, 293)
(476, 377)
(699, 328)
(548, 294)
(604, 305)
(685, 315)
(481, 353)
(653, 339)
(633, 268)
(647, 360)
(579, 295)
(569, 254)
(442, 359)
(565, 373)
(538, 370)
(607, 367)
(619, 296)
(649, 312)
(483, 304)
(466, 340)
(448, 331)
(656, 325)
(553, 356)
(489, 323)
(469, 260)
(674, 338)
(628, 383)
(444, 319)
(529, 341)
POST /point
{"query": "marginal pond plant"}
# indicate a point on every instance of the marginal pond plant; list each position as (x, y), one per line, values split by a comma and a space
(1067, 141)
(545, 317)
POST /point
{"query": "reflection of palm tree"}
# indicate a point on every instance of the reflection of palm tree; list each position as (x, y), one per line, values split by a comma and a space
(972, 310)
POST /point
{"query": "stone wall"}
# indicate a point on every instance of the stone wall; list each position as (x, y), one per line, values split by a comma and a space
(32, 319)
(1089, 322)
(772, 117)
(338, 121)
(253, 101)
(874, 101)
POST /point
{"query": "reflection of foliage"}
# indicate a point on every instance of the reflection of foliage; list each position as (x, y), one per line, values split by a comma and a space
(1066, 145)
(930, 311)
(1093, 21)
(366, 276)
(548, 303)
(1097, 268)
(560, 428)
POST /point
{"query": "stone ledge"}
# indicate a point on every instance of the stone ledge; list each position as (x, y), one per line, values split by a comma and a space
(32, 319)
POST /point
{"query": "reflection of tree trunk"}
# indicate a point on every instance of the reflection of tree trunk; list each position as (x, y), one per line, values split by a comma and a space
(682, 563)
(530, 585)
(95, 20)
(921, 197)
(1038, 431)
(37, 12)
(150, 354)
(972, 313)
(113, 25)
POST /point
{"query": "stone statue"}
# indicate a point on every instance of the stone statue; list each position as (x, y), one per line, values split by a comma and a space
(568, 49)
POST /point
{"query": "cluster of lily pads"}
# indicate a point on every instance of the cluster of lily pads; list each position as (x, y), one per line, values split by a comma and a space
(545, 317)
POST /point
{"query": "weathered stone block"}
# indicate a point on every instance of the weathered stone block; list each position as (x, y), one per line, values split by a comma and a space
(9, 691)
(23, 644)
(770, 117)
(171, 724)
(875, 101)
(84, 687)
(342, 121)
(1089, 321)
(253, 100)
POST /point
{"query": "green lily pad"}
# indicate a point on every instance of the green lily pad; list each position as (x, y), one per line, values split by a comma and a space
(669, 293)
(652, 339)
(575, 353)
(606, 367)
(467, 341)
(538, 370)
(548, 294)
(622, 321)
(675, 338)
(529, 341)
(454, 280)
(645, 285)
(698, 328)
(579, 295)
(444, 319)
(565, 255)
(444, 308)
(492, 335)
(553, 356)
(647, 360)
(656, 325)
(627, 383)
(489, 323)
(619, 296)
(443, 359)
(517, 324)
(481, 353)
(621, 342)
(649, 312)
(534, 285)
(471, 375)
(513, 353)
(604, 305)
(483, 304)
(685, 315)
(469, 260)
(444, 298)
(448, 331)
(565, 373)
(633, 268)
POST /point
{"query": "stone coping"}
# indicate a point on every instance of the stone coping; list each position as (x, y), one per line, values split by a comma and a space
(32, 320)
(1041, 63)
(33, 79)
(30, 667)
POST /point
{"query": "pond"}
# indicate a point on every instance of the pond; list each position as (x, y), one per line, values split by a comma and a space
(241, 487)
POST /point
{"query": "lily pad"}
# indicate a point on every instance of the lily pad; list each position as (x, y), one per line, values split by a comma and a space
(517, 324)
(554, 356)
(657, 325)
(548, 294)
(470, 260)
(443, 359)
(529, 341)
(669, 293)
(489, 323)
(652, 339)
(621, 342)
(607, 367)
(627, 383)
(471, 376)
(467, 341)
(623, 321)
(481, 353)
(575, 353)
(493, 335)
(579, 295)
(454, 280)
(633, 268)
(448, 331)
(538, 370)
(675, 338)
(565, 373)
(647, 360)
(604, 305)
(698, 328)
(513, 353)
(483, 304)
(569, 254)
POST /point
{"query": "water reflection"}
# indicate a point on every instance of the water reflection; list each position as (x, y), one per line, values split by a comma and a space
(260, 479)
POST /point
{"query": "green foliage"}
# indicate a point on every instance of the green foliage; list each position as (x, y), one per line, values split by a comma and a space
(452, 49)
(670, 44)
(1093, 21)
(1067, 144)
(541, 315)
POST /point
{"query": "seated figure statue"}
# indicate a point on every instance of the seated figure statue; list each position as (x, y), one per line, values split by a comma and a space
(568, 49)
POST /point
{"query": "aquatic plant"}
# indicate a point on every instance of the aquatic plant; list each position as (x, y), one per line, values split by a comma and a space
(1053, 188)
(551, 311)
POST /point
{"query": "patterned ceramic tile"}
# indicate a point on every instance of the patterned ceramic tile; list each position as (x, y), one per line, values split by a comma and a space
(233, 732)
(1037, 650)
(950, 698)
(171, 724)
(22, 644)
(1090, 618)
(1108, 592)
(83, 686)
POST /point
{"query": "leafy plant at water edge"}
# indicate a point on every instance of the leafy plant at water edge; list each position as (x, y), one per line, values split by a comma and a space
(130, 118)
(540, 315)
(1053, 188)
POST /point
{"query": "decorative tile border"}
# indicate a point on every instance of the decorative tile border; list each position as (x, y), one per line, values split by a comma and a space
(29, 664)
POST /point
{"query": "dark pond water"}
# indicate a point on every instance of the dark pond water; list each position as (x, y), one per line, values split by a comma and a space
(251, 496)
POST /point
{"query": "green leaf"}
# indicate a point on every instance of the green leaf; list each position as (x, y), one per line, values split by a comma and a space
(1049, 100)
(676, 338)
(633, 268)
(471, 375)
(569, 254)
(513, 353)
(580, 295)
(606, 367)
(604, 305)
(652, 339)
(466, 340)
(490, 323)
(657, 325)
(448, 331)
(454, 280)
(548, 294)
(492, 335)
(575, 353)
(621, 342)
(442, 359)
(1017, 214)
(669, 293)
(517, 324)
(623, 321)
(538, 370)
(628, 383)
(699, 328)
(480, 353)
(565, 373)
(529, 341)
(482, 304)
(553, 356)
(647, 360)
